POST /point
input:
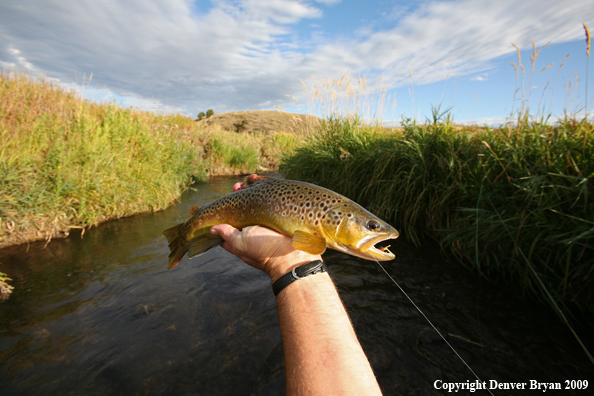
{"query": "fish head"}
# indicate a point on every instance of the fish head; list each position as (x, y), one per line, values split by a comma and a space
(351, 229)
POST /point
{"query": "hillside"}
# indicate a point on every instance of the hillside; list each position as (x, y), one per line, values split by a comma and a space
(267, 121)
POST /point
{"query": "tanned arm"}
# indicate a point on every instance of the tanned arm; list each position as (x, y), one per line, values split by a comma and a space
(322, 353)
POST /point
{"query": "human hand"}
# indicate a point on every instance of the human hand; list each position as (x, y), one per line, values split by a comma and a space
(262, 248)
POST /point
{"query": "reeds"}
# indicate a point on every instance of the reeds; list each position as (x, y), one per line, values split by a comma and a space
(587, 31)
(350, 97)
(525, 86)
(490, 197)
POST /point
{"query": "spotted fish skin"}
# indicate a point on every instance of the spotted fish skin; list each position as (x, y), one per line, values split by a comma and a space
(314, 216)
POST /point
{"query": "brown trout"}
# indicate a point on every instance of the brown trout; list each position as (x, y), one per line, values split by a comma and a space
(314, 216)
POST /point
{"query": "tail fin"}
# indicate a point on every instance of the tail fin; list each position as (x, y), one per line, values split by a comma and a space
(177, 245)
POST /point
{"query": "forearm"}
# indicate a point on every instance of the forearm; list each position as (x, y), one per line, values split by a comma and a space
(322, 353)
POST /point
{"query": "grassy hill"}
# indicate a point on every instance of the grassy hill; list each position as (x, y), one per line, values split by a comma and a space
(262, 121)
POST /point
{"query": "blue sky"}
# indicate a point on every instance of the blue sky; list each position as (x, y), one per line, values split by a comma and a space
(190, 56)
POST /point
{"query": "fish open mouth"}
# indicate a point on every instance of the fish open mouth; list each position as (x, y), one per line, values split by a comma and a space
(369, 251)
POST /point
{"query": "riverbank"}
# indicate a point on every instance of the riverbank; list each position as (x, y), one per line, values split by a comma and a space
(68, 163)
(513, 203)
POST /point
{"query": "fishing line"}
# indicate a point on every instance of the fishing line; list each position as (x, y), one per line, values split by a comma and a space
(434, 328)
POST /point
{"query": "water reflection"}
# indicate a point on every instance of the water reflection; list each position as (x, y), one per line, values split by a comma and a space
(103, 315)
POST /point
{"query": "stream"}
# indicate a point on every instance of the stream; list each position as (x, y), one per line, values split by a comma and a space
(102, 315)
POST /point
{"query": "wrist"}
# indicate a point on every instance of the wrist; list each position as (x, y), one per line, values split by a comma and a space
(297, 273)
(287, 263)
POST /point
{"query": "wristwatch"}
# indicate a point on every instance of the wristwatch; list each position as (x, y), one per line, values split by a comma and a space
(314, 267)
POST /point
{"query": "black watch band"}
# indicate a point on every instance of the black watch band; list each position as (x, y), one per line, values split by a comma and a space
(314, 267)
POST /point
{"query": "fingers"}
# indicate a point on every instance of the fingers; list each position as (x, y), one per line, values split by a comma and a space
(237, 243)
(237, 186)
(262, 248)
(229, 234)
(234, 239)
(225, 231)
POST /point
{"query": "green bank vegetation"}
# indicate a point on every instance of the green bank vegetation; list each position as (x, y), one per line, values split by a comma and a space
(68, 163)
(515, 202)
(506, 200)
(5, 288)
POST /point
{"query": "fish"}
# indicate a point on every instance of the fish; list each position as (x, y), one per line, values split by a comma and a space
(316, 218)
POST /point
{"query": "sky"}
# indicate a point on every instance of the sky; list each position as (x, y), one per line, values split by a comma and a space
(232, 55)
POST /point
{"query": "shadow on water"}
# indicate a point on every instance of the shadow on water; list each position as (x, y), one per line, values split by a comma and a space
(103, 315)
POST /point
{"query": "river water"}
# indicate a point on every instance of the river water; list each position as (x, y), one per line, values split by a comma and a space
(102, 315)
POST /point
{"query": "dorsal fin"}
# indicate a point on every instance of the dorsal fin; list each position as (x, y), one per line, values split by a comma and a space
(255, 179)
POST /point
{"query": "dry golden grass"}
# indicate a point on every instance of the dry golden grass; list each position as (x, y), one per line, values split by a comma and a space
(350, 97)
(261, 121)
(587, 62)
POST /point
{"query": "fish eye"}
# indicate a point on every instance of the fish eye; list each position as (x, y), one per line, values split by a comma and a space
(373, 225)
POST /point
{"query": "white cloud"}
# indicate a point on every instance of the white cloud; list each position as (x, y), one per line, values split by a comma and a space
(242, 55)
(282, 11)
(464, 36)
(329, 2)
(19, 61)
(493, 122)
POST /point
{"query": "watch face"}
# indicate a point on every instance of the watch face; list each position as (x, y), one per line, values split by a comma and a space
(307, 269)
(297, 273)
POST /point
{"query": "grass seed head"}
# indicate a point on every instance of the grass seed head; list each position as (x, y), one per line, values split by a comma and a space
(587, 40)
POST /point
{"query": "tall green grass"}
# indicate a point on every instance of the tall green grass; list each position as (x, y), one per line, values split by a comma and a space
(503, 200)
(235, 153)
(69, 163)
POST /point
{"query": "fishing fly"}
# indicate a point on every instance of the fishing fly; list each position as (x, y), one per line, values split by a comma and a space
(385, 249)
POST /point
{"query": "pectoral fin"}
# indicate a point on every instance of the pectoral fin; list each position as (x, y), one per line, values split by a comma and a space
(202, 244)
(309, 243)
